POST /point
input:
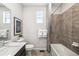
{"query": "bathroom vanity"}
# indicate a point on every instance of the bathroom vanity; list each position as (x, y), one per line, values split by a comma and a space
(13, 49)
(21, 52)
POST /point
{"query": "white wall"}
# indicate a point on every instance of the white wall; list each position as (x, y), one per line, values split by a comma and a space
(16, 11)
(30, 27)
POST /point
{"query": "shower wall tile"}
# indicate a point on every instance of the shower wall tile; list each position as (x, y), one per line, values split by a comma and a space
(75, 23)
(55, 28)
(65, 28)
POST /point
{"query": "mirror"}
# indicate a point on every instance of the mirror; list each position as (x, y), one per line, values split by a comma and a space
(17, 26)
(5, 23)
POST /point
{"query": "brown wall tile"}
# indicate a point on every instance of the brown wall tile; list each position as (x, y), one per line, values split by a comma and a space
(65, 28)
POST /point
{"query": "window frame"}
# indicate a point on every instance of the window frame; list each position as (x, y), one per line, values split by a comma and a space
(40, 16)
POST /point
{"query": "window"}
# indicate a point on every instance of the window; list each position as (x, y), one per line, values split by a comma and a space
(6, 17)
(39, 16)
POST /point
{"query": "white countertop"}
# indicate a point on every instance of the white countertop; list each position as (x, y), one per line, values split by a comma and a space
(11, 49)
(61, 50)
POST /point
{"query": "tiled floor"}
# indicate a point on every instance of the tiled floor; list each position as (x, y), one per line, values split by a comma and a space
(39, 53)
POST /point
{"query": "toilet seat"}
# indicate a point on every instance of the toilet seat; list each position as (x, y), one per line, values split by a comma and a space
(29, 46)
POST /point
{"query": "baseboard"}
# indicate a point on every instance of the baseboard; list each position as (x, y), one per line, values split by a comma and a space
(39, 49)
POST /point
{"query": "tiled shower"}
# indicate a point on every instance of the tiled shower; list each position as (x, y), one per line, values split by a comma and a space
(64, 28)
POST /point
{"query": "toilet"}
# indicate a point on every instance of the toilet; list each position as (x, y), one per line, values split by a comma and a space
(29, 48)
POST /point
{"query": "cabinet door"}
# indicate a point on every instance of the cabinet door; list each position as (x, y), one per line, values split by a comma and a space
(21, 52)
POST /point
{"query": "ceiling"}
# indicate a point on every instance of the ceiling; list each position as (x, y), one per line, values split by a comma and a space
(34, 4)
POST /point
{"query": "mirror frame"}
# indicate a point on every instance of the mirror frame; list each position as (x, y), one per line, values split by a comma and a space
(17, 19)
